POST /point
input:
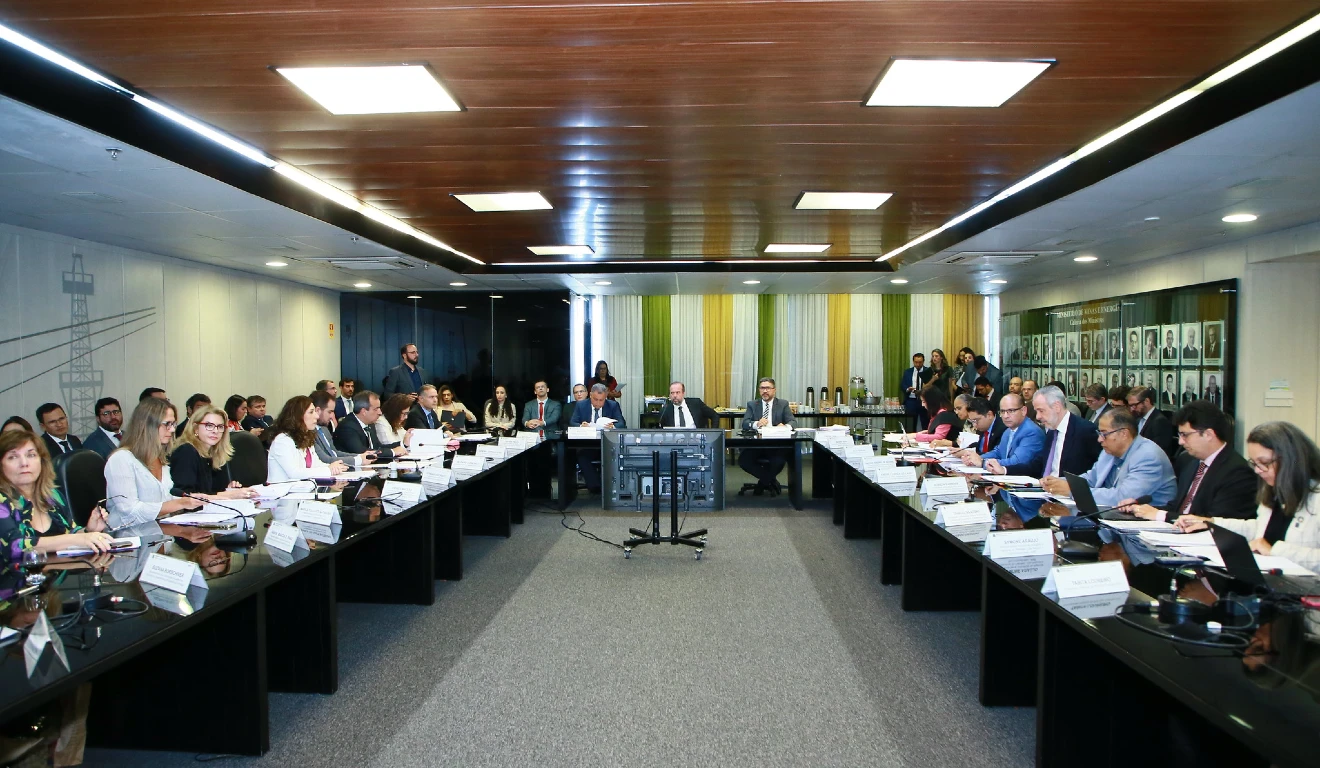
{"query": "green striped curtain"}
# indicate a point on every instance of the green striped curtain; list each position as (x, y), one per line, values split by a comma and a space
(765, 335)
(895, 338)
(656, 350)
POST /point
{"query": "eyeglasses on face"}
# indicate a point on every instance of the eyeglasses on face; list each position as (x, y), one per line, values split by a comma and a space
(168, 424)
(115, 412)
(1006, 411)
(211, 426)
(1105, 435)
(1263, 464)
(1184, 435)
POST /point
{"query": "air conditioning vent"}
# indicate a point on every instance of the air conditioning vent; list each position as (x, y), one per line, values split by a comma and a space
(365, 265)
(93, 198)
(988, 258)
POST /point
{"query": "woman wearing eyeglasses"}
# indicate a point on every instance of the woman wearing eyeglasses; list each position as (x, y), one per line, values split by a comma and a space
(137, 475)
(1287, 522)
(199, 457)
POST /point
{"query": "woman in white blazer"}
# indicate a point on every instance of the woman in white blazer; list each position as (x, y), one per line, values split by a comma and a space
(137, 474)
(1287, 521)
(292, 454)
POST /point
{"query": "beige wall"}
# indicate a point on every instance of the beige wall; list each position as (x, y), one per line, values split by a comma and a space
(1278, 312)
(194, 328)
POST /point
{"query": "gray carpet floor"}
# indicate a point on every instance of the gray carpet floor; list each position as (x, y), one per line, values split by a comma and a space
(780, 647)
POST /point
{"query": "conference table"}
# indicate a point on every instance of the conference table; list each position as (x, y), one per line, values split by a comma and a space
(860, 415)
(266, 622)
(1106, 693)
(566, 457)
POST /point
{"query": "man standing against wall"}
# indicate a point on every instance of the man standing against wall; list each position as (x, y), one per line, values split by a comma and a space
(407, 377)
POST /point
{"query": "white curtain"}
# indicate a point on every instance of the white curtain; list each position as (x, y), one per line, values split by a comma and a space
(620, 323)
(687, 345)
(865, 355)
(801, 341)
(742, 378)
(926, 325)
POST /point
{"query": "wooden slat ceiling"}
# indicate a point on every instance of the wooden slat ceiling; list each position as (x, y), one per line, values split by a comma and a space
(674, 129)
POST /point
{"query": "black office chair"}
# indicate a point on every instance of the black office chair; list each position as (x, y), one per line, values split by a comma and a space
(81, 476)
(758, 488)
(248, 464)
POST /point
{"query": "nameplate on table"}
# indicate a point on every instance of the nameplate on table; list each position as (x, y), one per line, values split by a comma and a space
(517, 443)
(438, 477)
(169, 573)
(283, 536)
(855, 455)
(318, 512)
(467, 466)
(966, 513)
(1094, 606)
(1029, 543)
(1086, 580)
(400, 494)
(945, 486)
(836, 441)
(874, 463)
(776, 433)
(1026, 568)
(490, 452)
(316, 532)
(583, 433)
(891, 474)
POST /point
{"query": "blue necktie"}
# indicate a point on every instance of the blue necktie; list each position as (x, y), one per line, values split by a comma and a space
(430, 418)
(1008, 441)
(1112, 475)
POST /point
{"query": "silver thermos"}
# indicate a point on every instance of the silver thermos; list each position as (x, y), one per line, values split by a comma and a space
(838, 396)
(811, 399)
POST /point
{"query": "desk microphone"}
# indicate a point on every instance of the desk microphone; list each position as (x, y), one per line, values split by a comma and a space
(1080, 550)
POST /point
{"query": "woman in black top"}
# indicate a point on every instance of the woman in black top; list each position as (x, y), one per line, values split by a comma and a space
(199, 458)
(944, 423)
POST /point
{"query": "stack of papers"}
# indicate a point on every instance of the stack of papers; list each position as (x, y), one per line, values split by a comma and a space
(280, 490)
(1176, 540)
(1139, 525)
(199, 518)
(361, 474)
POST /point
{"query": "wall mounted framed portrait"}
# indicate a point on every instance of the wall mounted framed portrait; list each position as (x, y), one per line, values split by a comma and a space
(1072, 357)
(1212, 385)
(1083, 378)
(1130, 378)
(1045, 344)
(1169, 398)
(1169, 345)
(1060, 349)
(1191, 386)
(1113, 378)
(1150, 377)
(1190, 354)
(1099, 348)
(1115, 346)
(1098, 377)
(1213, 344)
(1084, 345)
(1150, 345)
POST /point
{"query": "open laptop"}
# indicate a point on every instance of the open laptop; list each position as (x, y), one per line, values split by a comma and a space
(1241, 564)
(1081, 495)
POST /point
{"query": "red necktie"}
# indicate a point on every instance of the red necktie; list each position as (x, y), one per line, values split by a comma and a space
(309, 458)
(119, 435)
(985, 441)
(541, 415)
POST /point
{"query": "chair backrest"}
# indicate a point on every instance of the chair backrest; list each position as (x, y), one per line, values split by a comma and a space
(81, 476)
(248, 464)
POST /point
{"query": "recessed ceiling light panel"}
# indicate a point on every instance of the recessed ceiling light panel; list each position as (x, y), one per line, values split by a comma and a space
(999, 282)
(458, 284)
(751, 282)
(561, 250)
(361, 285)
(899, 281)
(797, 248)
(505, 201)
(1239, 218)
(841, 201)
(372, 90)
(277, 263)
(1085, 259)
(952, 82)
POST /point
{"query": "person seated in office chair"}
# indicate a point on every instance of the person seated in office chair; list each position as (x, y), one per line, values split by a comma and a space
(765, 411)
(501, 418)
(944, 421)
(455, 415)
(33, 513)
(686, 412)
(109, 423)
(292, 453)
(138, 483)
(579, 394)
(256, 418)
(424, 414)
(325, 440)
(541, 414)
(56, 435)
(356, 433)
(1213, 480)
(1021, 442)
(1130, 466)
(586, 414)
(199, 458)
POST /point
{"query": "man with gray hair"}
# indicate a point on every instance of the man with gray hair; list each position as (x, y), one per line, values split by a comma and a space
(1130, 467)
(1071, 442)
(590, 413)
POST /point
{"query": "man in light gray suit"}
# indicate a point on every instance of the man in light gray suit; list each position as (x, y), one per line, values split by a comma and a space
(324, 403)
(765, 411)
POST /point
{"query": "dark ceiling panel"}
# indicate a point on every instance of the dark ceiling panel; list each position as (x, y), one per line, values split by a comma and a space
(665, 129)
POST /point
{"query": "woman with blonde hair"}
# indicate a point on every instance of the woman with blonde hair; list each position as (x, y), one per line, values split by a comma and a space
(33, 514)
(138, 483)
(199, 457)
(941, 374)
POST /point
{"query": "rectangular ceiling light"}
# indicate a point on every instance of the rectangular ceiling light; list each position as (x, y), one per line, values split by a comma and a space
(796, 248)
(505, 201)
(952, 83)
(841, 201)
(561, 250)
(372, 90)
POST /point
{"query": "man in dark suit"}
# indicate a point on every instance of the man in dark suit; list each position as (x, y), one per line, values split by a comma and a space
(407, 377)
(585, 414)
(1152, 424)
(986, 391)
(1213, 351)
(1170, 349)
(988, 425)
(765, 411)
(357, 433)
(344, 400)
(1071, 442)
(1190, 351)
(683, 411)
(109, 420)
(1213, 480)
(256, 418)
(1097, 401)
(579, 394)
(422, 414)
(1169, 395)
(55, 424)
(910, 384)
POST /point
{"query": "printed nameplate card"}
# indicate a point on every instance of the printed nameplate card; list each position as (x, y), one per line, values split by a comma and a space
(874, 463)
(891, 474)
(490, 452)
(1003, 544)
(1086, 580)
(400, 494)
(857, 454)
(945, 486)
(438, 476)
(318, 512)
(283, 536)
(171, 574)
(583, 433)
(966, 513)
(467, 466)
(316, 532)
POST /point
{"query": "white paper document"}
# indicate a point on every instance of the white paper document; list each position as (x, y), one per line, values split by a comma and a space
(199, 518)
(1016, 480)
(1198, 539)
(968, 439)
(1265, 563)
(280, 490)
(1139, 525)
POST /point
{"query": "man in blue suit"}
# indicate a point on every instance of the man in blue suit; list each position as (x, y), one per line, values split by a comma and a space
(910, 384)
(1071, 442)
(1130, 467)
(586, 414)
(1022, 442)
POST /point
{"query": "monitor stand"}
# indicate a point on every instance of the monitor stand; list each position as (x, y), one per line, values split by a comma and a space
(695, 539)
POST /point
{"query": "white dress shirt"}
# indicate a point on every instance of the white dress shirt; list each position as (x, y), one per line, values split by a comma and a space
(134, 495)
(687, 416)
(286, 462)
(1057, 449)
(110, 436)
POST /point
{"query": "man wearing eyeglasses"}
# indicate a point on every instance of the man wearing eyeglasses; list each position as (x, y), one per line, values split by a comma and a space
(1130, 466)
(109, 420)
(1152, 424)
(1213, 479)
(1021, 443)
